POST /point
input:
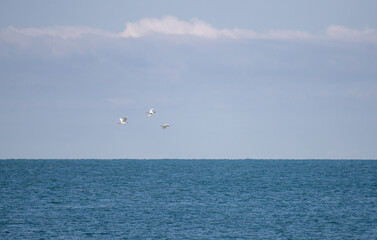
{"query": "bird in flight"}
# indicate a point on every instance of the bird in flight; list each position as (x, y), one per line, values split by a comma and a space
(165, 126)
(123, 120)
(151, 111)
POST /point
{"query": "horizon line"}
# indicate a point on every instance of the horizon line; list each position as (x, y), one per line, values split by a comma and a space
(230, 159)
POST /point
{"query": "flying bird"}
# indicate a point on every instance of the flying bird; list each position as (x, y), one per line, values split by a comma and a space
(123, 120)
(165, 126)
(151, 111)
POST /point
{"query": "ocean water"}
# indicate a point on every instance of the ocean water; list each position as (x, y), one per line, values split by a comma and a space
(188, 199)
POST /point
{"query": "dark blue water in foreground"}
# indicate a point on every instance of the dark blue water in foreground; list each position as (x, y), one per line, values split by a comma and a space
(188, 199)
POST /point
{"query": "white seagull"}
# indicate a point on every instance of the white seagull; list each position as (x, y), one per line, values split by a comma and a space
(123, 120)
(165, 126)
(151, 111)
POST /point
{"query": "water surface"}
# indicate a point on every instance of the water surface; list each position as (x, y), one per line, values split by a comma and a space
(188, 199)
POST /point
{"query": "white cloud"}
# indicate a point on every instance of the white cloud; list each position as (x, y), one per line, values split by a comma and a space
(172, 26)
(286, 35)
(341, 33)
(169, 25)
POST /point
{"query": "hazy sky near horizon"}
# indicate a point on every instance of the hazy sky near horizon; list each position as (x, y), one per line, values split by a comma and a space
(236, 79)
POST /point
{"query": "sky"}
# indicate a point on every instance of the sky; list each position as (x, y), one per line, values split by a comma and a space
(236, 79)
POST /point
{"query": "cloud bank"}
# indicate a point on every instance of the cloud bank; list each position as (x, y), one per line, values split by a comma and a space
(169, 25)
(172, 26)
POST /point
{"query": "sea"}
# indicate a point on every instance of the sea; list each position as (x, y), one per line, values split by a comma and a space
(188, 199)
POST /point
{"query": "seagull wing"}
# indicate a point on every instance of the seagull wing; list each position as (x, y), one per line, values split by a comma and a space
(123, 120)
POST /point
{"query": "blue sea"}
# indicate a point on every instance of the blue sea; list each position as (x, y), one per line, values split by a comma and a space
(188, 199)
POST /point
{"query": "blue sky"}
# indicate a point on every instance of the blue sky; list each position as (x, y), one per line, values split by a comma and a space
(236, 79)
